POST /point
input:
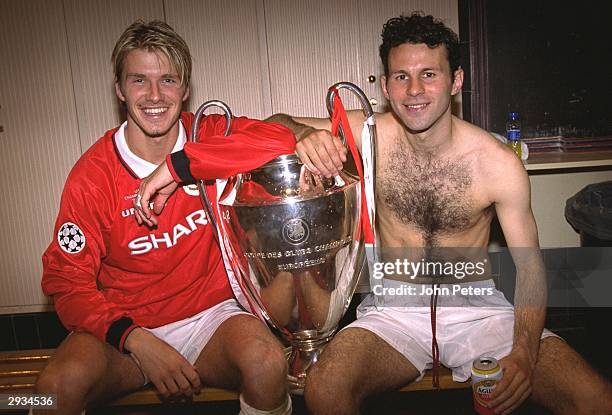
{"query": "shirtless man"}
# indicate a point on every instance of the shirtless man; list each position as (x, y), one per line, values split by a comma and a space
(440, 181)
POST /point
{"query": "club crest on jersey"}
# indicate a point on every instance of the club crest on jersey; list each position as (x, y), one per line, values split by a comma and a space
(191, 190)
(71, 238)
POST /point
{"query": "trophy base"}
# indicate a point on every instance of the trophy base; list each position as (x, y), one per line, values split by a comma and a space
(300, 357)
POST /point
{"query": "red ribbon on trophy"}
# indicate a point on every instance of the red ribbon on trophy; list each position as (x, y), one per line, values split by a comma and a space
(339, 119)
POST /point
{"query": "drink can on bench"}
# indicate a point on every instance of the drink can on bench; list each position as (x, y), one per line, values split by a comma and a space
(485, 375)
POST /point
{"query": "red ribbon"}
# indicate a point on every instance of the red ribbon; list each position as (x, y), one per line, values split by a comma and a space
(339, 118)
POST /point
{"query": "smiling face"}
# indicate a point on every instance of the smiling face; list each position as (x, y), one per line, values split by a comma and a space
(419, 85)
(153, 94)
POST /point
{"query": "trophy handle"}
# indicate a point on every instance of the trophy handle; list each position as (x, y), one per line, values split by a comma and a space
(368, 149)
(365, 104)
(193, 138)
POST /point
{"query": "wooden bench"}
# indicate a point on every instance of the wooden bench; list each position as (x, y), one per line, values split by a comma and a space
(19, 370)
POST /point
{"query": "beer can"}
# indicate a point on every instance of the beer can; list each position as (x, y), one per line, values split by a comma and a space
(486, 372)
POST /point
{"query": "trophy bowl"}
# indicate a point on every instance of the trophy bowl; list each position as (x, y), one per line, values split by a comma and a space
(295, 245)
(294, 242)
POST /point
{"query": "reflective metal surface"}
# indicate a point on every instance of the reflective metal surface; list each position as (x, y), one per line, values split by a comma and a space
(293, 241)
(194, 139)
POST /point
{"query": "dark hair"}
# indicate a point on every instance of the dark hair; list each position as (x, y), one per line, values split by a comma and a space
(153, 36)
(418, 28)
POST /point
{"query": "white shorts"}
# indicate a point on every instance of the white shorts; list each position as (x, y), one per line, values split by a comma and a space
(189, 336)
(466, 328)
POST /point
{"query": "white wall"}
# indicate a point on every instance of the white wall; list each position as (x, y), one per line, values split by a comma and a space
(56, 87)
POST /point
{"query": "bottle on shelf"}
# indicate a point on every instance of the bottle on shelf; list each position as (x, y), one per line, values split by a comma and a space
(513, 132)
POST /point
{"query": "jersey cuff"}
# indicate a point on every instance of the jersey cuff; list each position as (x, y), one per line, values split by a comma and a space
(118, 332)
(179, 167)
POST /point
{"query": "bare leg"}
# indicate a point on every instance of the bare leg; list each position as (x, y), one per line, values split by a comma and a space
(355, 365)
(566, 384)
(83, 371)
(243, 354)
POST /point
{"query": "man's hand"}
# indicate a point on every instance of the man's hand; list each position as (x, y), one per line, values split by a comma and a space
(515, 386)
(166, 368)
(157, 187)
(321, 153)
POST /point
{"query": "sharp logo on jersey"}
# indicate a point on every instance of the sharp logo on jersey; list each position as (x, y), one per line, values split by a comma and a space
(71, 238)
(191, 190)
(151, 241)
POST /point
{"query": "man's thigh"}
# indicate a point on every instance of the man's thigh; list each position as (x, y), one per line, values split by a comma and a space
(562, 377)
(358, 358)
(95, 369)
(234, 345)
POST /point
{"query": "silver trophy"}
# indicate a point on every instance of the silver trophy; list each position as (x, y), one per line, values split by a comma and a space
(293, 241)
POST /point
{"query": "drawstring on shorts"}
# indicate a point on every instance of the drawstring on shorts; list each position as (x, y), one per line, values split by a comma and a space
(435, 352)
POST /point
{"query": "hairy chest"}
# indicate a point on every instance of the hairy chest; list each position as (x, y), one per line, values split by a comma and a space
(432, 195)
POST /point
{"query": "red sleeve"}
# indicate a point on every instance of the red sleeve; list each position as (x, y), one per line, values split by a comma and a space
(251, 144)
(72, 261)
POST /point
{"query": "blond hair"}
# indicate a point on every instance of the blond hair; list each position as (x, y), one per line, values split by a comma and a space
(153, 36)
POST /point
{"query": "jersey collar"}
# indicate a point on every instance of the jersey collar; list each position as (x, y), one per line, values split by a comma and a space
(140, 167)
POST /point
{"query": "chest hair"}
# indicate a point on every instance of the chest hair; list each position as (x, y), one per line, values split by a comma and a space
(430, 194)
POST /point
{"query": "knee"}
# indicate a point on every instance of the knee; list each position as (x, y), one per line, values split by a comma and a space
(49, 382)
(69, 380)
(263, 364)
(327, 392)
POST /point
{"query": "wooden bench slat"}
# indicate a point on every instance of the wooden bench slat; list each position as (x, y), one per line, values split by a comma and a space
(20, 383)
(14, 369)
(148, 396)
(19, 370)
(26, 355)
(446, 382)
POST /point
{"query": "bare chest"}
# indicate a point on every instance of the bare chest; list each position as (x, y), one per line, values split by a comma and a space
(435, 197)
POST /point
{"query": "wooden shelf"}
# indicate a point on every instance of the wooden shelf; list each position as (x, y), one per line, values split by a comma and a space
(553, 161)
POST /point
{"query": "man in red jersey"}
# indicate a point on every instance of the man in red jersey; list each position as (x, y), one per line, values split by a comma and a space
(153, 303)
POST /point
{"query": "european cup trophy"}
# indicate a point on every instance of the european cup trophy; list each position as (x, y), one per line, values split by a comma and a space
(295, 243)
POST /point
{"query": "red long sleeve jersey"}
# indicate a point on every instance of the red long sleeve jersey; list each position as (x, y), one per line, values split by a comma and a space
(106, 273)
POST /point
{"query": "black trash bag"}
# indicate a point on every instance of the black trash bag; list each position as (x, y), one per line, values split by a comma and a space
(590, 212)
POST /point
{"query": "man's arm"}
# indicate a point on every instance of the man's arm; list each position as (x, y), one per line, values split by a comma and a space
(70, 269)
(251, 144)
(301, 126)
(72, 261)
(513, 206)
(321, 152)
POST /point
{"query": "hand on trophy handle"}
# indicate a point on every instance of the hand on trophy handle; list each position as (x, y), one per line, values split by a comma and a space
(321, 153)
(310, 183)
(367, 148)
(156, 188)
